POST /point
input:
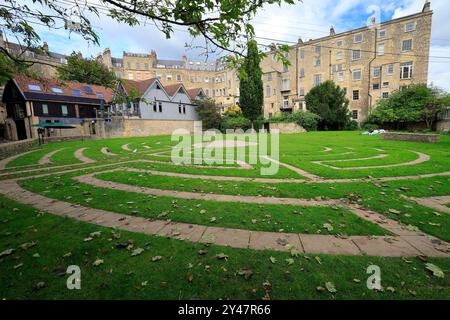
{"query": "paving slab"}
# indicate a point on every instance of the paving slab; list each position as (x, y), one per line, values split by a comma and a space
(226, 237)
(385, 247)
(274, 241)
(427, 246)
(183, 231)
(325, 244)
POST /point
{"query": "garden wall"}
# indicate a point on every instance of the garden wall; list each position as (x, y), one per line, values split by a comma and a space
(9, 149)
(286, 127)
(123, 127)
(443, 125)
(428, 138)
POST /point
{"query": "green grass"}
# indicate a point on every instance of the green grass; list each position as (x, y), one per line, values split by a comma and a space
(249, 216)
(122, 276)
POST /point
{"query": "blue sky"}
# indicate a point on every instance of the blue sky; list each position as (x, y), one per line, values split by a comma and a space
(306, 19)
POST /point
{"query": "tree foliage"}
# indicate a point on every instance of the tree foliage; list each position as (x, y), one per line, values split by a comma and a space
(415, 103)
(306, 119)
(86, 70)
(329, 102)
(208, 112)
(223, 24)
(251, 98)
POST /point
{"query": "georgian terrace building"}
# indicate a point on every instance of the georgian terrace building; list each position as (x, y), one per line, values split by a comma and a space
(369, 63)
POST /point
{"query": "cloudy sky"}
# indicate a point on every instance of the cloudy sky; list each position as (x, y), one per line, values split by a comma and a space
(306, 19)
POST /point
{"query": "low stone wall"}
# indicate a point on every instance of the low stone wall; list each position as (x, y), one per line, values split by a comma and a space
(443, 126)
(123, 127)
(287, 127)
(9, 149)
(414, 137)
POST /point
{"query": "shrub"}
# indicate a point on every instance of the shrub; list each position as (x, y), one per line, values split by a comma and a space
(235, 122)
(306, 119)
(352, 126)
(208, 113)
(370, 126)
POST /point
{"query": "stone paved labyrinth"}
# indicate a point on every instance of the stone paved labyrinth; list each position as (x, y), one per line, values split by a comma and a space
(375, 198)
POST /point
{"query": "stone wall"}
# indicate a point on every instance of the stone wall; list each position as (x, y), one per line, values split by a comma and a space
(443, 125)
(285, 127)
(123, 127)
(9, 149)
(414, 137)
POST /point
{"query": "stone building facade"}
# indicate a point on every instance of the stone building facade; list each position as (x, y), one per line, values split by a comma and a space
(216, 80)
(369, 63)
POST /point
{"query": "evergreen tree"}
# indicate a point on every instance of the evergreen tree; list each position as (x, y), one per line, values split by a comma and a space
(328, 101)
(251, 86)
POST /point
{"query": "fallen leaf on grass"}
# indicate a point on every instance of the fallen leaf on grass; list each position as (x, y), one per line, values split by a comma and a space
(437, 272)
(7, 252)
(246, 273)
(328, 226)
(273, 260)
(221, 256)
(290, 261)
(137, 252)
(156, 258)
(97, 262)
(330, 287)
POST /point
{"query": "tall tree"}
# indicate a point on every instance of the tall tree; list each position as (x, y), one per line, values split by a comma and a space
(222, 24)
(86, 70)
(251, 98)
(329, 102)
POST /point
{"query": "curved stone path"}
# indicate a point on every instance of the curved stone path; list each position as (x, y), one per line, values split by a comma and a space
(47, 158)
(437, 203)
(79, 155)
(404, 244)
(105, 151)
(126, 147)
(4, 162)
(422, 158)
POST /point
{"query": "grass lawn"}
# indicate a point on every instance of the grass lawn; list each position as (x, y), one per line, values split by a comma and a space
(45, 245)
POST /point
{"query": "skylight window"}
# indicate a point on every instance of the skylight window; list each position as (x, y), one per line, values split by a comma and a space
(56, 90)
(87, 89)
(100, 95)
(34, 87)
(76, 92)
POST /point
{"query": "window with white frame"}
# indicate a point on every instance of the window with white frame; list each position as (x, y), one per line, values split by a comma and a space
(356, 54)
(286, 102)
(376, 72)
(355, 95)
(317, 62)
(339, 43)
(268, 92)
(406, 70)
(382, 33)
(302, 92)
(317, 49)
(390, 69)
(410, 26)
(317, 79)
(356, 75)
(169, 77)
(381, 48)
(179, 78)
(269, 77)
(130, 76)
(407, 45)
(160, 106)
(358, 38)
(302, 54)
(340, 76)
(339, 55)
(302, 73)
(385, 84)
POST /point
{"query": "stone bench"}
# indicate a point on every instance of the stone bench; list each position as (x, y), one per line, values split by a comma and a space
(414, 137)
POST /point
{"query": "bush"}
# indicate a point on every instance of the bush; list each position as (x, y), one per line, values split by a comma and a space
(209, 113)
(352, 126)
(235, 122)
(370, 126)
(306, 119)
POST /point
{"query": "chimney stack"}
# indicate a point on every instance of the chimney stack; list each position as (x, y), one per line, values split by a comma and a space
(426, 6)
(332, 31)
(45, 47)
(300, 41)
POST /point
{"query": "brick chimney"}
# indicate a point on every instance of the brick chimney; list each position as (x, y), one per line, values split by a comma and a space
(426, 6)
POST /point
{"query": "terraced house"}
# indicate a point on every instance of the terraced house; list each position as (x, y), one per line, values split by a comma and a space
(369, 63)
